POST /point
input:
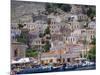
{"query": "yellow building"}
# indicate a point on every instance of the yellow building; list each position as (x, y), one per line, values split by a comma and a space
(58, 57)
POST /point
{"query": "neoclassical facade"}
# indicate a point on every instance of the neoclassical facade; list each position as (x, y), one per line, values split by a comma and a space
(17, 50)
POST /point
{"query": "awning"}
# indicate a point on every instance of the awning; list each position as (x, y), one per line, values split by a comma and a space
(80, 59)
(22, 60)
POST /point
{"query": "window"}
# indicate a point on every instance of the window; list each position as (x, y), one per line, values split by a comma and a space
(63, 60)
(66, 38)
(91, 36)
(15, 52)
(51, 60)
(11, 27)
(58, 60)
(68, 60)
(42, 62)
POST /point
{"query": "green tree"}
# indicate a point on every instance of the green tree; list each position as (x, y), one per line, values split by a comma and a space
(20, 26)
(49, 8)
(47, 30)
(31, 53)
(93, 41)
(41, 35)
(91, 12)
(47, 46)
(52, 7)
(23, 38)
(66, 7)
(92, 54)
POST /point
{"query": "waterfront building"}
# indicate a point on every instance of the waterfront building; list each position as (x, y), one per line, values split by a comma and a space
(64, 55)
(18, 50)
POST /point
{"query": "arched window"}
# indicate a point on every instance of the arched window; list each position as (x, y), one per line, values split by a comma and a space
(68, 60)
(15, 52)
(51, 60)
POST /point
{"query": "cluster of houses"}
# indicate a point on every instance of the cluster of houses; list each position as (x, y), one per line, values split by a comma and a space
(68, 31)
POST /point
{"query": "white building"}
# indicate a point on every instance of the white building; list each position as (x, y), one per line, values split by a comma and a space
(55, 28)
(37, 44)
(15, 31)
(74, 25)
(82, 17)
(90, 34)
(57, 45)
(38, 26)
(92, 25)
(87, 34)
(73, 39)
